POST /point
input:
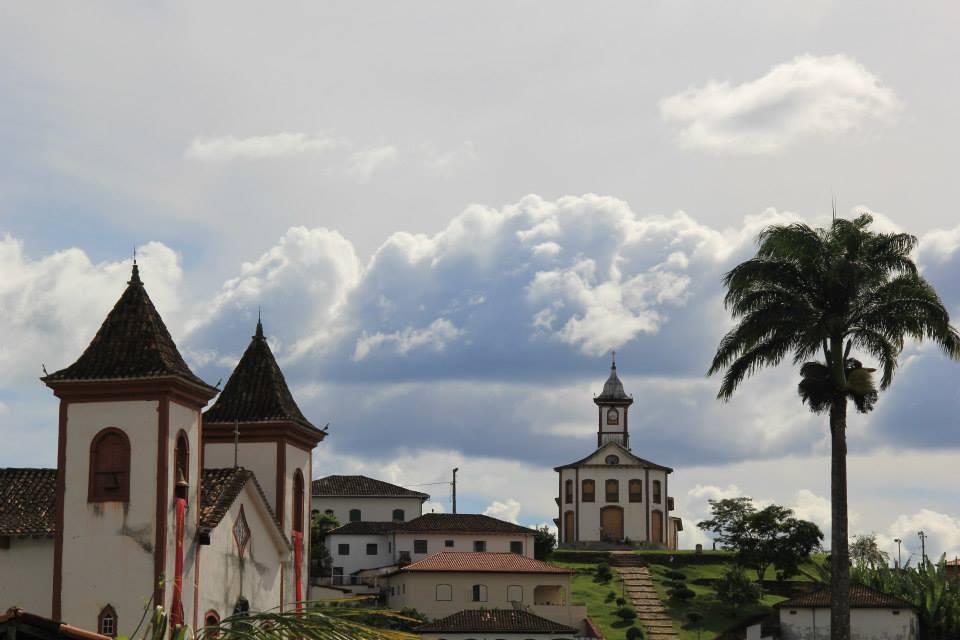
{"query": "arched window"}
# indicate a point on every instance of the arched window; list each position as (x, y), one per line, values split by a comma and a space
(298, 501)
(568, 491)
(479, 593)
(587, 491)
(354, 515)
(613, 417)
(612, 459)
(514, 593)
(107, 622)
(109, 467)
(636, 490)
(444, 592)
(181, 465)
(656, 492)
(211, 620)
(613, 491)
(398, 515)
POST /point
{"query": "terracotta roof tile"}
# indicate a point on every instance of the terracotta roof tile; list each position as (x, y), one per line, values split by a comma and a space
(462, 522)
(361, 486)
(256, 390)
(482, 561)
(861, 597)
(494, 621)
(133, 342)
(28, 502)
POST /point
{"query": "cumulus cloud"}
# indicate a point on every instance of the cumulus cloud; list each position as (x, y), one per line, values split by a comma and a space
(508, 510)
(436, 336)
(222, 149)
(445, 163)
(364, 163)
(808, 95)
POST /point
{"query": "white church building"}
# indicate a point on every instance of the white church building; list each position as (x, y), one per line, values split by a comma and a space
(154, 501)
(613, 496)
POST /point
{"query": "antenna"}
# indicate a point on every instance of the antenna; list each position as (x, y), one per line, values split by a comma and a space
(454, 484)
(833, 204)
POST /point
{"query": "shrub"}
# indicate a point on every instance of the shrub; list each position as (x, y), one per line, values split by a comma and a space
(604, 573)
(676, 575)
(683, 593)
(610, 596)
(694, 618)
(634, 633)
(621, 602)
(736, 589)
(626, 613)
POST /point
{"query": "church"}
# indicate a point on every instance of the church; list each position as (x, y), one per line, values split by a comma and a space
(152, 501)
(613, 497)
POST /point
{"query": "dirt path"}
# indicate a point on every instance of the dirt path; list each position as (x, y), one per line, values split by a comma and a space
(650, 612)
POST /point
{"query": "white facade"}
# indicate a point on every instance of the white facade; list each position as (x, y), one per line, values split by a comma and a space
(30, 560)
(405, 541)
(372, 509)
(865, 624)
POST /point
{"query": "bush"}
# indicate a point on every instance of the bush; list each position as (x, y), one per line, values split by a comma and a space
(604, 573)
(621, 602)
(736, 589)
(610, 597)
(676, 575)
(626, 613)
(683, 593)
(634, 633)
(694, 618)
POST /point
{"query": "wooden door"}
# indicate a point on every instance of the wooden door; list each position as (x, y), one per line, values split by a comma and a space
(611, 523)
(568, 527)
(656, 526)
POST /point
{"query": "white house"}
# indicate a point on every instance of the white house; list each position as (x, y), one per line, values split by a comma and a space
(122, 518)
(612, 495)
(359, 498)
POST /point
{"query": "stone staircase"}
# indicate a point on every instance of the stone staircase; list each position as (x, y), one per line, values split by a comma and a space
(640, 592)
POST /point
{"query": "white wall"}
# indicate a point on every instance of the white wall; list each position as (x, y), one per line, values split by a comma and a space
(371, 509)
(224, 576)
(865, 624)
(436, 542)
(297, 458)
(188, 420)
(259, 457)
(358, 558)
(27, 570)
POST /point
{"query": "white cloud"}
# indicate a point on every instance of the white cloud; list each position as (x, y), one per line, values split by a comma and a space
(436, 336)
(260, 147)
(447, 162)
(942, 531)
(806, 96)
(508, 510)
(940, 244)
(363, 164)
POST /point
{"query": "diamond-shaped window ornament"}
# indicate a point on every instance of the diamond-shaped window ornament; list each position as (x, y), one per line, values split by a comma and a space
(241, 532)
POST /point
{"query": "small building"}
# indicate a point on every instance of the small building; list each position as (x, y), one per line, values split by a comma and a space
(363, 499)
(495, 624)
(952, 569)
(873, 616)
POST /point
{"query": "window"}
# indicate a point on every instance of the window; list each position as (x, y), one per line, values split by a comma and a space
(612, 459)
(398, 515)
(354, 515)
(516, 546)
(372, 549)
(613, 417)
(328, 512)
(181, 465)
(568, 491)
(444, 592)
(298, 501)
(107, 622)
(613, 491)
(636, 490)
(448, 543)
(241, 533)
(656, 492)
(479, 545)
(479, 593)
(109, 467)
(343, 549)
(587, 491)
(211, 620)
(419, 546)
(514, 593)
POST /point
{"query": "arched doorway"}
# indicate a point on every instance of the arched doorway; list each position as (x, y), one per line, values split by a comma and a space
(611, 523)
(568, 527)
(656, 526)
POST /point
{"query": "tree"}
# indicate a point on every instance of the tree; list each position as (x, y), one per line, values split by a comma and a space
(735, 588)
(320, 560)
(811, 291)
(544, 542)
(770, 536)
(865, 552)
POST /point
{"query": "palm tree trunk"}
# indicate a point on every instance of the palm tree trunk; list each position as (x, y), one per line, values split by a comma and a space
(839, 551)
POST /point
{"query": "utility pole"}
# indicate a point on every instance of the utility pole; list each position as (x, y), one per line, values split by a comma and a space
(899, 557)
(923, 546)
(454, 485)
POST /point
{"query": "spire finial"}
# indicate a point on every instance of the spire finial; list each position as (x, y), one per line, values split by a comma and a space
(613, 359)
(259, 333)
(135, 274)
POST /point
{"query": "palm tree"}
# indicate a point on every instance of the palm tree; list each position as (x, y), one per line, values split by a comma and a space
(814, 291)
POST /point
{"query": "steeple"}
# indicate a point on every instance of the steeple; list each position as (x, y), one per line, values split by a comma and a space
(613, 404)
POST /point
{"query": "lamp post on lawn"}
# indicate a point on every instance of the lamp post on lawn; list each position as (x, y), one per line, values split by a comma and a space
(899, 558)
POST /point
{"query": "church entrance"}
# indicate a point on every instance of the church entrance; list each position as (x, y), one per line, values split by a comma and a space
(611, 523)
(568, 527)
(656, 526)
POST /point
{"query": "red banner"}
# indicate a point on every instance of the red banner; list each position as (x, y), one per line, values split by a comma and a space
(176, 613)
(297, 562)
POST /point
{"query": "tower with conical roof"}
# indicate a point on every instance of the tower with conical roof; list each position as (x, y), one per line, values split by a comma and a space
(613, 405)
(257, 424)
(130, 428)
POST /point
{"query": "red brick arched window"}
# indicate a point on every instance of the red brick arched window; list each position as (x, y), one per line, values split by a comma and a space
(181, 463)
(298, 501)
(109, 467)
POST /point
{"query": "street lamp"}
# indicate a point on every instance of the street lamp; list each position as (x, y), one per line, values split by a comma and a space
(899, 557)
(923, 546)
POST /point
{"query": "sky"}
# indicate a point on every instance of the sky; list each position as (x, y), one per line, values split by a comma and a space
(451, 213)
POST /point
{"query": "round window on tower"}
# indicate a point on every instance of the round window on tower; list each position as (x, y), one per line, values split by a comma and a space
(613, 417)
(611, 459)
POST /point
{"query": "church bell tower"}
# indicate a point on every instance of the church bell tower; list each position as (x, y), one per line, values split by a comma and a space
(613, 404)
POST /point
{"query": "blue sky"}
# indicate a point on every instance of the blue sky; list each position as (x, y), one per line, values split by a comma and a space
(450, 215)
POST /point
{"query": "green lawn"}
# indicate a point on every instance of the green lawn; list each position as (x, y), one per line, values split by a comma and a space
(587, 590)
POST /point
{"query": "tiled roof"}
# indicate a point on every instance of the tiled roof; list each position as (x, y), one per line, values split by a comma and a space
(220, 488)
(635, 459)
(34, 626)
(256, 390)
(364, 528)
(483, 561)
(861, 597)
(461, 522)
(361, 486)
(132, 343)
(494, 621)
(28, 502)
(613, 388)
